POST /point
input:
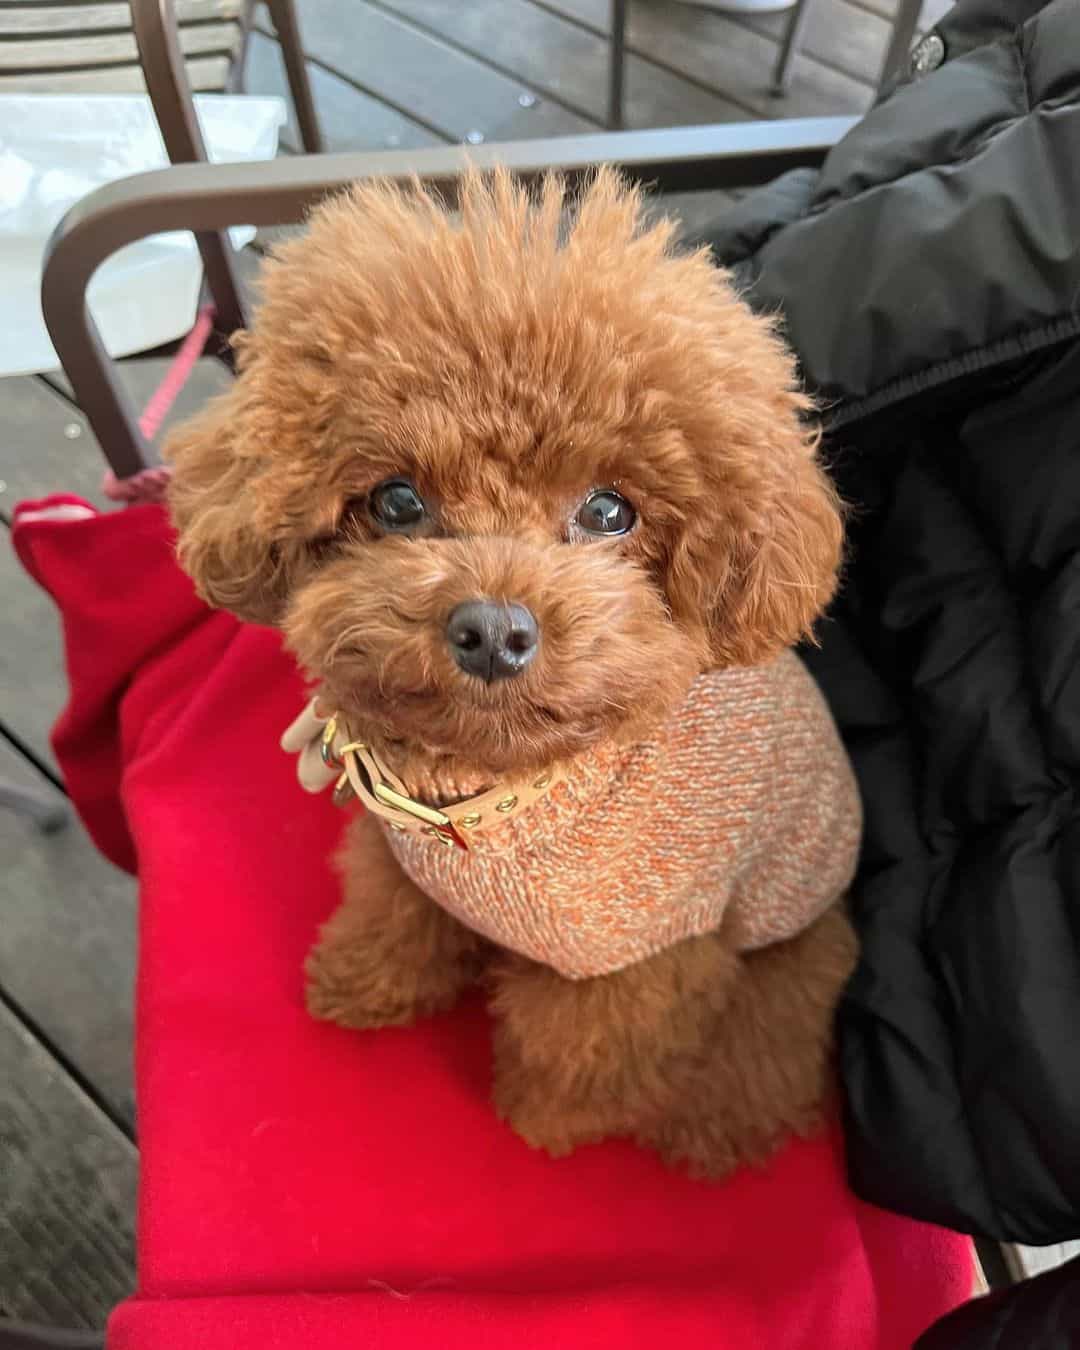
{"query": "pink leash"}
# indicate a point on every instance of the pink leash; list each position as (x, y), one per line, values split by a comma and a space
(148, 485)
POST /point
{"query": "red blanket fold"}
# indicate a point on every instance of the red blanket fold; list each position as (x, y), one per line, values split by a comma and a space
(308, 1187)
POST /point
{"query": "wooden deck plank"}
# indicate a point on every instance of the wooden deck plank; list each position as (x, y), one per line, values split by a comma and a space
(141, 375)
(838, 34)
(349, 119)
(38, 459)
(45, 445)
(67, 1206)
(449, 93)
(33, 686)
(67, 943)
(566, 61)
(852, 35)
(41, 16)
(726, 56)
(932, 10)
(205, 74)
(89, 50)
(40, 455)
(885, 9)
(208, 376)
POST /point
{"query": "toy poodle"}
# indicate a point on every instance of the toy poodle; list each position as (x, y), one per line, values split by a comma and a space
(534, 498)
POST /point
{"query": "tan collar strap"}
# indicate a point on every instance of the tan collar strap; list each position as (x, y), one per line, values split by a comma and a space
(329, 754)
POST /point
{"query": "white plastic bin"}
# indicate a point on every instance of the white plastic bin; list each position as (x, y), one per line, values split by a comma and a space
(54, 149)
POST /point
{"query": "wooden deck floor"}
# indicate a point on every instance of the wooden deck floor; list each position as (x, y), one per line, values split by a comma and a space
(386, 73)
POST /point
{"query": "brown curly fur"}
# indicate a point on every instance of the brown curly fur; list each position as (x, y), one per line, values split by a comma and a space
(508, 362)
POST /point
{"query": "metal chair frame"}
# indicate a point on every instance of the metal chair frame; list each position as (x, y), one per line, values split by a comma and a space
(896, 56)
(170, 94)
(207, 198)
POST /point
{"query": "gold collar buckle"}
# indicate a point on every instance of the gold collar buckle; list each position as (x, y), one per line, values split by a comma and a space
(364, 777)
(358, 772)
(440, 824)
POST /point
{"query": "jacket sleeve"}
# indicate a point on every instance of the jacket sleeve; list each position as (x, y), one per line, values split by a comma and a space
(928, 280)
(945, 224)
(1040, 1314)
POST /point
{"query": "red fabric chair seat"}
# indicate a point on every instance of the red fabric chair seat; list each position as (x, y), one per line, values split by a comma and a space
(304, 1186)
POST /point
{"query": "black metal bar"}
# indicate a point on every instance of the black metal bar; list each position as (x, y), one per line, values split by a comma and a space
(789, 48)
(903, 35)
(203, 197)
(616, 63)
(166, 78)
(283, 17)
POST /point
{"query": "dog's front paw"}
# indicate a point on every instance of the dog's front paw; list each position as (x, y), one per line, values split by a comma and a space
(703, 1148)
(362, 983)
(710, 1144)
(543, 1118)
(343, 988)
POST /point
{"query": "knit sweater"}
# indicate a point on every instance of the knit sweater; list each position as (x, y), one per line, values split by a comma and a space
(742, 810)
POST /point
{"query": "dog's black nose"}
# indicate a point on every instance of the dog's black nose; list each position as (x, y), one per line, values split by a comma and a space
(491, 640)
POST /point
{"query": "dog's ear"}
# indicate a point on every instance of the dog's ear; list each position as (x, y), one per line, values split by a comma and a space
(767, 562)
(219, 495)
(783, 573)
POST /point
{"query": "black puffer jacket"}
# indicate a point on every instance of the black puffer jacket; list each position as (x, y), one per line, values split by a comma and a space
(929, 278)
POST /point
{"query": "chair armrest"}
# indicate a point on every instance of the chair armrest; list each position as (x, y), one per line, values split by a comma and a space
(211, 197)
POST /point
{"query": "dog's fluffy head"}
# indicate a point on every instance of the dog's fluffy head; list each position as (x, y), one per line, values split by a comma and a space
(507, 362)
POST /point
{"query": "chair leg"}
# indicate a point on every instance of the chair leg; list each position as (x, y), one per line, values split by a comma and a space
(903, 36)
(283, 15)
(616, 64)
(162, 60)
(789, 48)
(237, 82)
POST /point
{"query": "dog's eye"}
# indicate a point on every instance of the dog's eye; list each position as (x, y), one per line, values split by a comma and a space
(606, 512)
(397, 505)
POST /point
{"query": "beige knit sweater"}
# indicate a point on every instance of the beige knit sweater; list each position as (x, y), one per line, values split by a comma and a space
(743, 807)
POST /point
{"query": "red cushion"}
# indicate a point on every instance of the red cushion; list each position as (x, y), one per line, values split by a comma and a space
(305, 1186)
